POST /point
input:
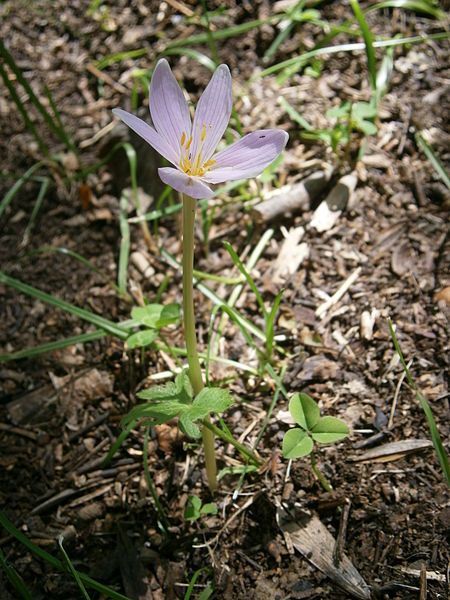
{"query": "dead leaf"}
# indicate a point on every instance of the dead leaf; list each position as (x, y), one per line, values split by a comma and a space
(403, 260)
(443, 295)
(318, 367)
(393, 451)
(168, 435)
(313, 540)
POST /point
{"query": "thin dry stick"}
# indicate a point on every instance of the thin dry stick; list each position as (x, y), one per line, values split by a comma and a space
(423, 582)
(340, 540)
(322, 309)
(216, 538)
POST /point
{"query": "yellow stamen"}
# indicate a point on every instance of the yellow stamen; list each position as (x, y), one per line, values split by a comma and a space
(209, 163)
(193, 166)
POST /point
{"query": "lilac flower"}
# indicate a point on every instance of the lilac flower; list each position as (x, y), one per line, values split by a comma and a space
(190, 147)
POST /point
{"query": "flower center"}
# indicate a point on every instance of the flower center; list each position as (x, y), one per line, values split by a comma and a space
(194, 165)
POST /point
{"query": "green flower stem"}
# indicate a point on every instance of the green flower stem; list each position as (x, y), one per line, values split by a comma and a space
(320, 476)
(195, 372)
(230, 440)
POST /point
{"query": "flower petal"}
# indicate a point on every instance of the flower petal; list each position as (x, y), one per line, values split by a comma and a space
(212, 113)
(191, 186)
(247, 157)
(148, 134)
(168, 107)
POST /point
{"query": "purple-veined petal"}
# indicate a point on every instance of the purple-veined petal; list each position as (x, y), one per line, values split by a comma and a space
(212, 114)
(191, 186)
(148, 134)
(247, 157)
(168, 106)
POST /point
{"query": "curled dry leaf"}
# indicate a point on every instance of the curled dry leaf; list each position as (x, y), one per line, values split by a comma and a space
(313, 540)
(393, 451)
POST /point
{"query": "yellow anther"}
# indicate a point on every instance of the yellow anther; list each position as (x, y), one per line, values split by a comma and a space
(203, 134)
(189, 142)
(209, 163)
(183, 138)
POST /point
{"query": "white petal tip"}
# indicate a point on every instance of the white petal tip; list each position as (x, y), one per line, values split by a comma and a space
(162, 61)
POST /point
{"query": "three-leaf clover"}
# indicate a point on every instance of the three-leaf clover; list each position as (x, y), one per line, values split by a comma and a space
(299, 441)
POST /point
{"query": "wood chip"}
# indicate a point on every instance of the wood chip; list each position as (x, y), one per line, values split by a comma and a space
(367, 323)
(328, 212)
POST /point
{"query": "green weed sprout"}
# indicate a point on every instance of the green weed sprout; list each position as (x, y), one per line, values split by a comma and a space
(153, 317)
(195, 509)
(299, 441)
(348, 118)
(190, 146)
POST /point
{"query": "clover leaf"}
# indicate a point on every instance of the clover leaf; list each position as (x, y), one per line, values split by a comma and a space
(296, 443)
(328, 430)
(304, 410)
(299, 441)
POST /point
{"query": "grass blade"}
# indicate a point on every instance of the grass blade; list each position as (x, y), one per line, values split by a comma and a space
(368, 41)
(57, 564)
(72, 254)
(63, 135)
(124, 252)
(433, 158)
(223, 34)
(251, 283)
(265, 423)
(119, 441)
(9, 60)
(132, 161)
(111, 59)
(206, 291)
(14, 578)
(270, 324)
(45, 183)
(72, 569)
(201, 58)
(52, 346)
(421, 6)
(294, 115)
(424, 404)
(154, 215)
(23, 111)
(195, 576)
(297, 62)
(384, 74)
(151, 486)
(7, 199)
(108, 326)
